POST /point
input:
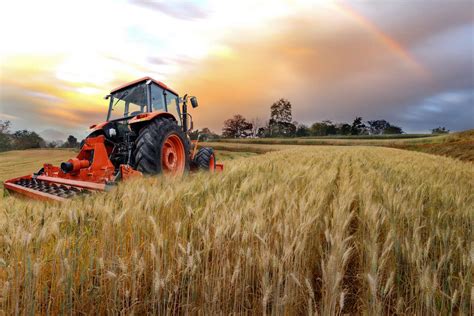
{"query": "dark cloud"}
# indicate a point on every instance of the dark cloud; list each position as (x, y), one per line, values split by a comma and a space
(453, 109)
(339, 71)
(412, 21)
(176, 9)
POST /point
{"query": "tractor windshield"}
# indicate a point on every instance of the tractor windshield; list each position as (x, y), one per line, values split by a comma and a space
(128, 102)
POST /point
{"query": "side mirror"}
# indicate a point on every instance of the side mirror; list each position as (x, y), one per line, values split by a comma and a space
(107, 97)
(194, 102)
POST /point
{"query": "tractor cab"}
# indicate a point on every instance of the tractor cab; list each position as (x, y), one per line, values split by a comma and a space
(147, 95)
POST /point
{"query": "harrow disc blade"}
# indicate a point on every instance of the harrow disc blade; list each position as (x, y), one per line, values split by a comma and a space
(44, 190)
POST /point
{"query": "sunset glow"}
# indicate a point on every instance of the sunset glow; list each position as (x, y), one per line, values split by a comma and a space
(331, 59)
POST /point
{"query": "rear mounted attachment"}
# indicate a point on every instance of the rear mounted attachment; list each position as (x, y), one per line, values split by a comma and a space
(90, 171)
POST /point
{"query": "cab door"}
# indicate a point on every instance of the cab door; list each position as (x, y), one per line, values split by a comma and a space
(172, 106)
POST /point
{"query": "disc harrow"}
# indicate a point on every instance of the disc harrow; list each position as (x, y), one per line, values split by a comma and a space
(60, 190)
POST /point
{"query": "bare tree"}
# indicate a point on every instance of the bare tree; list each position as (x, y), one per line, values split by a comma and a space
(256, 125)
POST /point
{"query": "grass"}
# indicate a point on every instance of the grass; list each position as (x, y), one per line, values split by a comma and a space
(457, 145)
(338, 140)
(20, 162)
(311, 139)
(386, 136)
(332, 230)
(226, 155)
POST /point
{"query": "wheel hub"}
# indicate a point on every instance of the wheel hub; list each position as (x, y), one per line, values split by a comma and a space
(173, 156)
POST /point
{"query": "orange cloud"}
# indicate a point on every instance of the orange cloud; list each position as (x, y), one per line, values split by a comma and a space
(329, 60)
(306, 59)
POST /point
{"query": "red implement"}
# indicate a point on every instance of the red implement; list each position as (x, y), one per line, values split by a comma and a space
(90, 171)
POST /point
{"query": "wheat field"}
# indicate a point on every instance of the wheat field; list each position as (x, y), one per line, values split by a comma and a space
(312, 230)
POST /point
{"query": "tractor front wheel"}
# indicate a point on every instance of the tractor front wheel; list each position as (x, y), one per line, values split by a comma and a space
(161, 147)
(205, 159)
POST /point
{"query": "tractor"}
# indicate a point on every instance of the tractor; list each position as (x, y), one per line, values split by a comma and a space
(146, 133)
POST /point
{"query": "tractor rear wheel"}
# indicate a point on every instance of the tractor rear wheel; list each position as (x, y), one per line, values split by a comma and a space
(161, 147)
(205, 159)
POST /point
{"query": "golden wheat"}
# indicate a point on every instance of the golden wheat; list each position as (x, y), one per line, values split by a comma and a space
(325, 230)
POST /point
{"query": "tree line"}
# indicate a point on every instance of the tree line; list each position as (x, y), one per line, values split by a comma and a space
(281, 124)
(25, 139)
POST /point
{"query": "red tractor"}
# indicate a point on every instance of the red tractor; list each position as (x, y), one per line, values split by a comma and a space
(146, 132)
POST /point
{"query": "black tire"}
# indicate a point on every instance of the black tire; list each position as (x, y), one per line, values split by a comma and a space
(148, 147)
(203, 159)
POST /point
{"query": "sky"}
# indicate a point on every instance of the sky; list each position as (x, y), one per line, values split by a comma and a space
(410, 62)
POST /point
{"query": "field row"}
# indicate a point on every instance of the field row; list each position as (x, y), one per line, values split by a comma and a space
(457, 145)
(328, 229)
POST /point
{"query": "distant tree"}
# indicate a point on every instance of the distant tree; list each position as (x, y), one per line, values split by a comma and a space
(236, 127)
(206, 130)
(281, 111)
(204, 134)
(283, 129)
(280, 124)
(207, 134)
(343, 129)
(193, 134)
(440, 130)
(323, 128)
(358, 128)
(392, 129)
(302, 130)
(378, 127)
(5, 127)
(330, 127)
(25, 139)
(318, 129)
(54, 144)
(263, 132)
(5, 138)
(71, 142)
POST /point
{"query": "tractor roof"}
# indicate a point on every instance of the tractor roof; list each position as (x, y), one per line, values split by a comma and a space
(161, 84)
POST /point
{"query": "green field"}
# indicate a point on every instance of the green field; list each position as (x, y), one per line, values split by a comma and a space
(341, 140)
(457, 145)
(298, 230)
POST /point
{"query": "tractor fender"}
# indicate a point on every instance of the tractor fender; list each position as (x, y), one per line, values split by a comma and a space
(97, 127)
(142, 119)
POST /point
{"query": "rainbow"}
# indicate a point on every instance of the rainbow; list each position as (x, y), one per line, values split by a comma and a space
(381, 37)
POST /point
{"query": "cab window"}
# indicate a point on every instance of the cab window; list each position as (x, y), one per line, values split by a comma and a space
(172, 105)
(157, 98)
(128, 102)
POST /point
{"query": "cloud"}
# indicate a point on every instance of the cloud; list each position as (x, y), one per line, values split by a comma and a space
(412, 22)
(332, 68)
(453, 109)
(177, 9)
(332, 60)
(53, 135)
